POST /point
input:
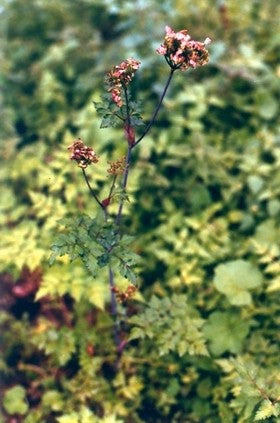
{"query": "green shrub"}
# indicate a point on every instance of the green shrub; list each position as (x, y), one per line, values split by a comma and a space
(205, 203)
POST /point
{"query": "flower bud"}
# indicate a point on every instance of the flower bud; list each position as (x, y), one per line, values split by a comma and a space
(105, 202)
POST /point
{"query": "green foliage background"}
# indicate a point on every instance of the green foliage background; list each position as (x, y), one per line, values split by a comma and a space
(205, 204)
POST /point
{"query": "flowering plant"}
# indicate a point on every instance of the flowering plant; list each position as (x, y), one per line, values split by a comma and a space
(101, 241)
(83, 155)
(181, 52)
(119, 77)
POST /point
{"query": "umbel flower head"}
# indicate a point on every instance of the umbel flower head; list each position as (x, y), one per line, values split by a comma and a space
(181, 52)
(82, 154)
(117, 167)
(121, 76)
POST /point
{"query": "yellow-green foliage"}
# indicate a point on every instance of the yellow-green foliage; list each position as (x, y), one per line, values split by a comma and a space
(204, 191)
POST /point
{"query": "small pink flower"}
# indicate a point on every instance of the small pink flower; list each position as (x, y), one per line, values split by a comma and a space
(181, 52)
(207, 41)
(161, 50)
(168, 30)
(120, 76)
(116, 96)
(83, 155)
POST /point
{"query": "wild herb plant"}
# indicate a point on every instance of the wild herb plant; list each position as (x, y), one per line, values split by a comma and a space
(103, 240)
(205, 208)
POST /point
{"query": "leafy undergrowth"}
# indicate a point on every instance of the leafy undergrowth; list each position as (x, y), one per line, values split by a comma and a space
(200, 339)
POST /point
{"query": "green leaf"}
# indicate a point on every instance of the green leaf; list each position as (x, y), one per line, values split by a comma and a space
(59, 343)
(225, 331)
(267, 232)
(69, 418)
(98, 294)
(108, 121)
(86, 416)
(136, 333)
(14, 400)
(255, 183)
(126, 271)
(273, 207)
(267, 409)
(266, 103)
(136, 121)
(111, 115)
(91, 264)
(172, 324)
(53, 400)
(235, 279)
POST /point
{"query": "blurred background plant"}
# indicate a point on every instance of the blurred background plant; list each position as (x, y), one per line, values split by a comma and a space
(205, 207)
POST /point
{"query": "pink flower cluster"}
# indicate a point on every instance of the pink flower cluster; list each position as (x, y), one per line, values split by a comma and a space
(120, 76)
(181, 52)
(82, 154)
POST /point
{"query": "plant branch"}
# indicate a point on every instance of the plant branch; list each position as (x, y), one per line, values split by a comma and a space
(124, 185)
(112, 186)
(127, 105)
(91, 190)
(39, 371)
(114, 309)
(148, 127)
(127, 161)
(150, 124)
(261, 391)
(119, 116)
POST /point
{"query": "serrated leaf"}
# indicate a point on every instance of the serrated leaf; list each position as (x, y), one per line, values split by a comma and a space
(136, 333)
(267, 409)
(52, 258)
(58, 343)
(91, 264)
(107, 122)
(225, 331)
(136, 121)
(127, 273)
(172, 324)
